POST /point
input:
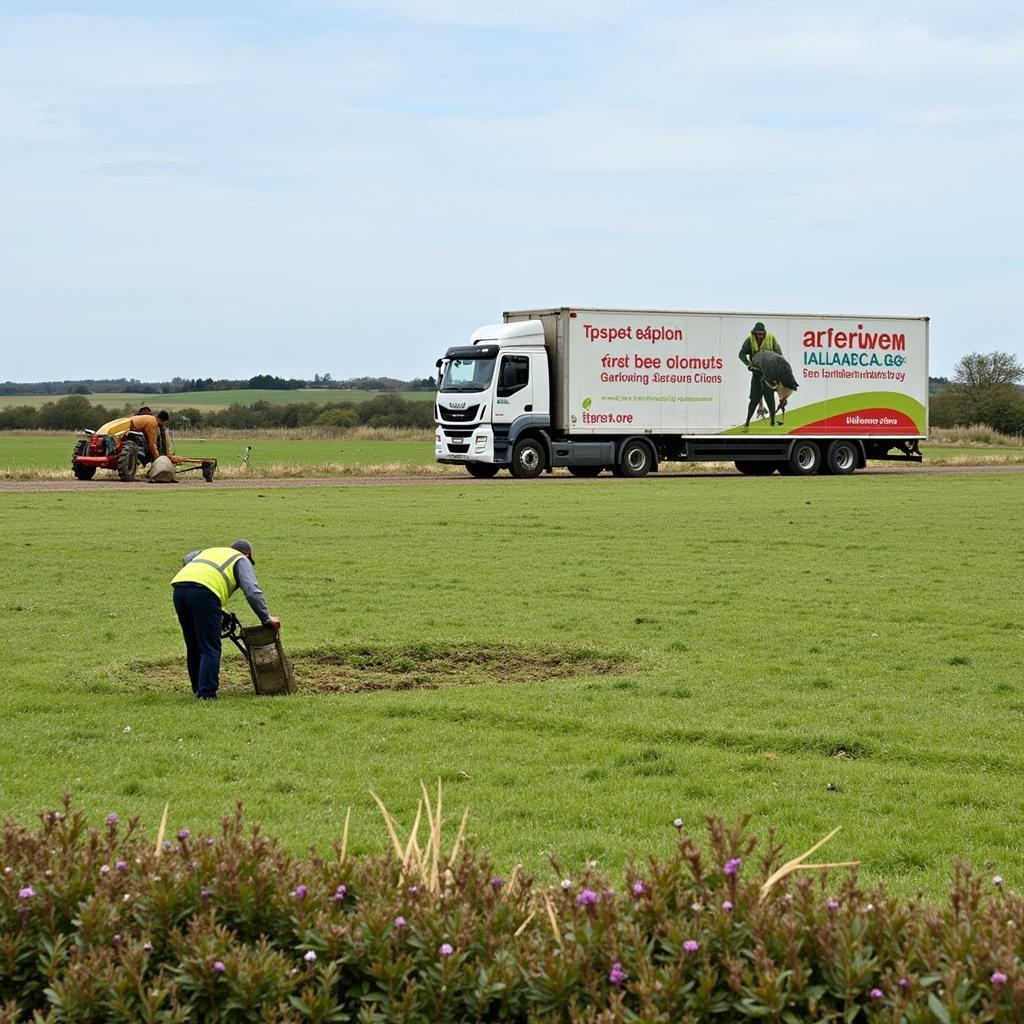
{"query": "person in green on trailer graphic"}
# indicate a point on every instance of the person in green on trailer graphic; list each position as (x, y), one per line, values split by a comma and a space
(758, 340)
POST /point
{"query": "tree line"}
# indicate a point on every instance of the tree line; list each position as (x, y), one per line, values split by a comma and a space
(75, 412)
(985, 389)
(178, 385)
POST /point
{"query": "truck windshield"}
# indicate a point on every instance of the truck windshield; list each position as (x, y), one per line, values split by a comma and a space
(468, 374)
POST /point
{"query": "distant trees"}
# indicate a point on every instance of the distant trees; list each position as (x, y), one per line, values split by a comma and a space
(984, 389)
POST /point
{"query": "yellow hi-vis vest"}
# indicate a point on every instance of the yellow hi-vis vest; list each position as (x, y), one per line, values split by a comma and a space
(212, 568)
(768, 345)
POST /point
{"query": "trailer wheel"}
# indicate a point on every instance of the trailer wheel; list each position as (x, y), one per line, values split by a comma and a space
(128, 462)
(635, 459)
(527, 459)
(585, 472)
(82, 472)
(209, 468)
(482, 470)
(841, 458)
(805, 459)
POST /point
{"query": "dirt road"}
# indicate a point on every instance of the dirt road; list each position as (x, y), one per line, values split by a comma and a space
(269, 483)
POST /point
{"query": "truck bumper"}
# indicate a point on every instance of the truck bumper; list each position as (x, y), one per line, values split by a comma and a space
(455, 444)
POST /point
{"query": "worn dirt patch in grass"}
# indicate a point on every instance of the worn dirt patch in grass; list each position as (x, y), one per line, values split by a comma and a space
(364, 669)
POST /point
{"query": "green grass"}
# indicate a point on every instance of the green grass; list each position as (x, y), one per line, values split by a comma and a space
(42, 451)
(818, 652)
(39, 451)
(211, 400)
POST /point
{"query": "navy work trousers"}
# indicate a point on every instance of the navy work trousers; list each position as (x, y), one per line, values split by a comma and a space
(199, 613)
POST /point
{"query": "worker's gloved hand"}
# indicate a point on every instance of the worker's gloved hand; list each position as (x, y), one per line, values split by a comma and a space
(276, 623)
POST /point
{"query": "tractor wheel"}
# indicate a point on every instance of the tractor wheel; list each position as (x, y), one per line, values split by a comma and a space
(585, 472)
(82, 472)
(209, 468)
(482, 470)
(128, 462)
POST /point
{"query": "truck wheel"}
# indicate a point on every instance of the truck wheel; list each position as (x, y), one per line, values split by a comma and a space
(128, 462)
(805, 459)
(841, 458)
(527, 459)
(585, 472)
(635, 459)
(482, 470)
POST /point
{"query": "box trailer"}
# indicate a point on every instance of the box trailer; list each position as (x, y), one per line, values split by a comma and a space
(625, 390)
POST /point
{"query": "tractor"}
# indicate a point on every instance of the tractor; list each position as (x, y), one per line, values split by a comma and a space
(115, 446)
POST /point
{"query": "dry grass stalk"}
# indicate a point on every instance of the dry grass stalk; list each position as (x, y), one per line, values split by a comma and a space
(522, 928)
(344, 836)
(162, 830)
(797, 864)
(426, 865)
(554, 922)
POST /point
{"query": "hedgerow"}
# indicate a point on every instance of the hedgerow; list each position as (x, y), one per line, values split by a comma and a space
(103, 924)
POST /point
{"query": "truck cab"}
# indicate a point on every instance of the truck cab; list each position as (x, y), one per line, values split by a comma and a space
(492, 395)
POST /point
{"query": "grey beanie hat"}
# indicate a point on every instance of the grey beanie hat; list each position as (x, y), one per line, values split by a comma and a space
(245, 547)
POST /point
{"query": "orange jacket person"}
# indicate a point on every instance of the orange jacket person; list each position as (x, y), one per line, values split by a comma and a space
(150, 426)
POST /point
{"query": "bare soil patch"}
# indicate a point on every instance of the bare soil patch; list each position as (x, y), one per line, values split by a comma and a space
(365, 669)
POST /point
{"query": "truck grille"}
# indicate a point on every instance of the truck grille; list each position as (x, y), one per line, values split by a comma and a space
(459, 415)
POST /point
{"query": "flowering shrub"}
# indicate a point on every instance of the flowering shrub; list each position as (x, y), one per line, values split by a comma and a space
(97, 924)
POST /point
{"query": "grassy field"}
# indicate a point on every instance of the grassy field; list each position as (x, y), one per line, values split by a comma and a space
(272, 452)
(279, 453)
(580, 663)
(211, 400)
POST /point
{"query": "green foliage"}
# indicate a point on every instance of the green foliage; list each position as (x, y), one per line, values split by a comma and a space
(985, 390)
(99, 924)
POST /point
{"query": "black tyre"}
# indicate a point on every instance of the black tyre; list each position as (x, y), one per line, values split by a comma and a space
(209, 468)
(585, 472)
(635, 459)
(842, 458)
(128, 462)
(805, 459)
(82, 472)
(527, 459)
(482, 470)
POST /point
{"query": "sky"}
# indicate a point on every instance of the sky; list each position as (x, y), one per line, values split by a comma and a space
(232, 187)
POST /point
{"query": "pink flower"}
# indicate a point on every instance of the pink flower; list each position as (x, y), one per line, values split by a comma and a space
(446, 949)
(300, 892)
(112, 819)
(691, 945)
(876, 993)
(833, 905)
(400, 922)
(587, 898)
(732, 865)
(638, 888)
(27, 893)
(184, 834)
(727, 905)
(310, 957)
(340, 893)
(497, 883)
(998, 979)
(617, 975)
(678, 823)
(218, 967)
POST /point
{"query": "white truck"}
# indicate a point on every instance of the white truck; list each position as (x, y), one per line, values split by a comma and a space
(625, 390)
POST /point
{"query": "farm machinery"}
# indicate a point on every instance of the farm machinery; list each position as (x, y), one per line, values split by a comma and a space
(117, 447)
